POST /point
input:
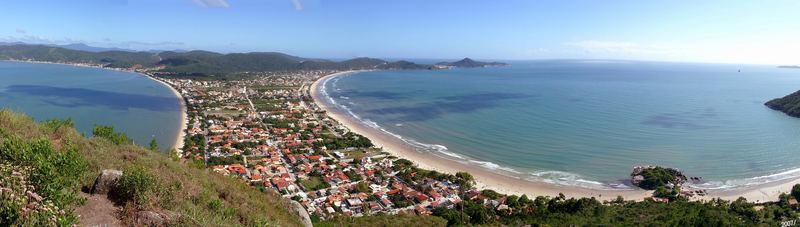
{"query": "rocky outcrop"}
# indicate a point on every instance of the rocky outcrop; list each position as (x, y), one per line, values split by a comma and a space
(150, 218)
(106, 181)
(651, 177)
(304, 218)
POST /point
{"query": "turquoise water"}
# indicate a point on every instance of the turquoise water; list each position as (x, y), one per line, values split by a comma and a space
(134, 104)
(588, 123)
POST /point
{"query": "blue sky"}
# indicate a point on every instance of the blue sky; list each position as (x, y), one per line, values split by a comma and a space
(762, 32)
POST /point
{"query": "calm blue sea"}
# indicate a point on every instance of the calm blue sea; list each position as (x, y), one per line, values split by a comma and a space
(588, 123)
(134, 104)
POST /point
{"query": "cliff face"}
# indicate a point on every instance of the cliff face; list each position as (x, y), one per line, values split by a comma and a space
(789, 104)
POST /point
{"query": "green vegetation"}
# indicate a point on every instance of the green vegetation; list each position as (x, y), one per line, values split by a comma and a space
(54, 161)
(107, 132)
(658, 177)
(789, 104)
(34, 166)
(153, 145)
(197, 64)
(348, 140)
(469, 63)
(218, 160)
(314, 183)
(136, 185)
(560, 211)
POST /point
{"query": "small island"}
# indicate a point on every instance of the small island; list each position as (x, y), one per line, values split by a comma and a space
(790, 104)
(666, 182)
(789, 66)
(469, 63)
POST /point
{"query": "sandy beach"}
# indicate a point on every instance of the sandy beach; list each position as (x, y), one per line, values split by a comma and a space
(184, 115)
(487, 179)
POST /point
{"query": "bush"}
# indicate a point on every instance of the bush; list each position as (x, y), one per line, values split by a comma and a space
(40, 169)
(107, 132)
(136, 184)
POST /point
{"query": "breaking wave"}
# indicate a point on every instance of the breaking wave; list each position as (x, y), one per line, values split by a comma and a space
(553, 177)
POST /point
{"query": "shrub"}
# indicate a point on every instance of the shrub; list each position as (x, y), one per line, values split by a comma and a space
(107, 132)
(39, 169)
(136, 184)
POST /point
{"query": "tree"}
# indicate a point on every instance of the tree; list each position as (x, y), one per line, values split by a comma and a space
(153, 145)
(796, 191)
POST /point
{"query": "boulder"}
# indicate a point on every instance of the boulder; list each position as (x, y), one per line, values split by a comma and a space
(150, 218)
(106, 181)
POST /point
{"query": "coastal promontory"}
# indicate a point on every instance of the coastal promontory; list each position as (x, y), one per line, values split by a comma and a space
(789, 104)
(469, 63)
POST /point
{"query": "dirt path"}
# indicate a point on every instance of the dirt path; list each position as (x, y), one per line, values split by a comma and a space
(98, 211)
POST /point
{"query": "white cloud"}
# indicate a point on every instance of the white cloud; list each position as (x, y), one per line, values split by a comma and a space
(212, 3)
(297, 4)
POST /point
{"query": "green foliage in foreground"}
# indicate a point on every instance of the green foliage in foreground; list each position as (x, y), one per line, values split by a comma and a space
(559, 211)
(55, 161)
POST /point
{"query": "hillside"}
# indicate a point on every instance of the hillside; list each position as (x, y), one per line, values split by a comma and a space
(49, 168)
(121, 59)
(789, 104)
(469, 63)
(196, 62)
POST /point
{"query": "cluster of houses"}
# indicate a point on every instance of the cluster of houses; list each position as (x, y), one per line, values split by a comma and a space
(269, 133)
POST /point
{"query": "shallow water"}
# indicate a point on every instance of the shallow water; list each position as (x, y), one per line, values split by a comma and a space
(134, 104)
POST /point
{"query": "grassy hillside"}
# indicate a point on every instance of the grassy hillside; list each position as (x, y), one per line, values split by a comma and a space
(53, 160)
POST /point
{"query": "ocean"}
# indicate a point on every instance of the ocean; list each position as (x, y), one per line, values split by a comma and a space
(588, 122)
(138, 106)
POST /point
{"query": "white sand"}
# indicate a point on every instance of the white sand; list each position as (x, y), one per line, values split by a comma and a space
(184, 115)
(487, 179)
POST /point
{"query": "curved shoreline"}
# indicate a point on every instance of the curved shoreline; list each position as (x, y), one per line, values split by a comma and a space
(487, 179)
(179, 137)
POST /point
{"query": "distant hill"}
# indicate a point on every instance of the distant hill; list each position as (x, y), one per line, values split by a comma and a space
(789, 104)
(121, 59)
(469, 63)
(789, 66)
(195, 62)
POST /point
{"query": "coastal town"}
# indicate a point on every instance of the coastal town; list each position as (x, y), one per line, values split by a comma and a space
(269, 133)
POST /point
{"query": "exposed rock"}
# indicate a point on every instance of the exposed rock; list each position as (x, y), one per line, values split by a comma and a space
(150, 218)
(304, 218)
(106, 181)
(660, 176)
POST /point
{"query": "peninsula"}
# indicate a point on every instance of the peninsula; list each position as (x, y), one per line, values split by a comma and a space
(789, 104)
(469, 63)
